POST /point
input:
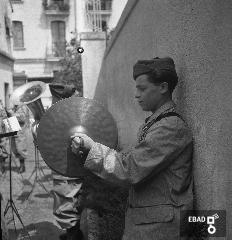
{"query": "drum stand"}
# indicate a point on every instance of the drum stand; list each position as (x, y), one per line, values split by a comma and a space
(10, 203)
(38, 170)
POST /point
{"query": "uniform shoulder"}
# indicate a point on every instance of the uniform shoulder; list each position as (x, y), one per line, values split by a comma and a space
(174, 124)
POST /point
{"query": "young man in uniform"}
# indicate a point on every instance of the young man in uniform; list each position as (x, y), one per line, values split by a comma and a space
(158, 169)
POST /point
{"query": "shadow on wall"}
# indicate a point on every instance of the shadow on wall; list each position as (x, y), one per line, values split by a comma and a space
(180, 91)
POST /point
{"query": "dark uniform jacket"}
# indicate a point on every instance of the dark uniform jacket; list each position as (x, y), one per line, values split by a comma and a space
(158, 170)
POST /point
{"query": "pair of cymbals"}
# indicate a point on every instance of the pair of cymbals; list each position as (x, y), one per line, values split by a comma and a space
(61, 121)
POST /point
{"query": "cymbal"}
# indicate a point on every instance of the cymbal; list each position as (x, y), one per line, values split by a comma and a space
(62, 120)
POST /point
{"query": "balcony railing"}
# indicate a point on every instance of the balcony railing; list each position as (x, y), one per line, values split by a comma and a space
(98, 13)
(103, 5)
(57, 50)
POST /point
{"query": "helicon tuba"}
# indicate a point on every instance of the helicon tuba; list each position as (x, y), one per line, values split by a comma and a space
(29, 94)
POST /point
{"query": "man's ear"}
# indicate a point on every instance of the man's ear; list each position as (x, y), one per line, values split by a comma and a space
(164, 87)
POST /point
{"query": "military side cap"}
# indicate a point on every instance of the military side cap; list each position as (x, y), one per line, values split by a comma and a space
(61, 91)
(149, 66)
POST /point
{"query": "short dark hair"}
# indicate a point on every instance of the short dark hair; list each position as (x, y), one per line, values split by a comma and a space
(162, 75)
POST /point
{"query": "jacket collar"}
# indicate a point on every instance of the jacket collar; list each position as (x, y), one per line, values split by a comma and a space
(168, 106)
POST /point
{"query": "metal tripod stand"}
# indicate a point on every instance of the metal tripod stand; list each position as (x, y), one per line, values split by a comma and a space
(37, 171)
(10, 203)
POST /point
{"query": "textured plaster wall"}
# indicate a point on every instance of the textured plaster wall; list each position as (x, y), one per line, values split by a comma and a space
(94, 45)
(35, 31)
(117, 8)
(197, 35)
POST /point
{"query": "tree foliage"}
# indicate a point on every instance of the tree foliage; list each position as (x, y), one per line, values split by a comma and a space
(71, 69)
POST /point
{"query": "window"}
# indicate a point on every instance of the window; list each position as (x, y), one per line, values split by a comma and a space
(98, 13)
(59, 1)
(7, 94)
(98, 5)
(18, 41)
(106, 5)
(104, 25)
(17, 1)
(58, 38)
(7, 26)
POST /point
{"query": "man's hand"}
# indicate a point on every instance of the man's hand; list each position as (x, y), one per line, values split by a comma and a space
(81, 143)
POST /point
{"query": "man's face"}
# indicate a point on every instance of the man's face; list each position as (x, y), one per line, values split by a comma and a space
(148, 94)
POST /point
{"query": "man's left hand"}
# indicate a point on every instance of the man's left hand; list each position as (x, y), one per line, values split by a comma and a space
(81, 142)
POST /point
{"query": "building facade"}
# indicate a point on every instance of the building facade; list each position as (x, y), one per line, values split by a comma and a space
(6, 59)
(96, 20)
(41, 29)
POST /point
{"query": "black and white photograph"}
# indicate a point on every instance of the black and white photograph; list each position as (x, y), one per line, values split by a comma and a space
(115, 119)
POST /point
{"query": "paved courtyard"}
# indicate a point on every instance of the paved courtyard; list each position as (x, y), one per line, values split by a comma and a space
(32, 199)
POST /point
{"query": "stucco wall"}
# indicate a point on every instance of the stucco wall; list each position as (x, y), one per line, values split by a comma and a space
(5, 11)
(36, 29)
(94, 45)
(197, 35)
(117, 8)
(36, 57)
(6, 60)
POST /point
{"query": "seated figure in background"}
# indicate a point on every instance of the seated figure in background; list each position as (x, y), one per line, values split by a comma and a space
(3, 151)
(19, 141)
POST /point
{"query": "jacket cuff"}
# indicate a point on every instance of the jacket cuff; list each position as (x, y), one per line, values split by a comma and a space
(94, 160)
